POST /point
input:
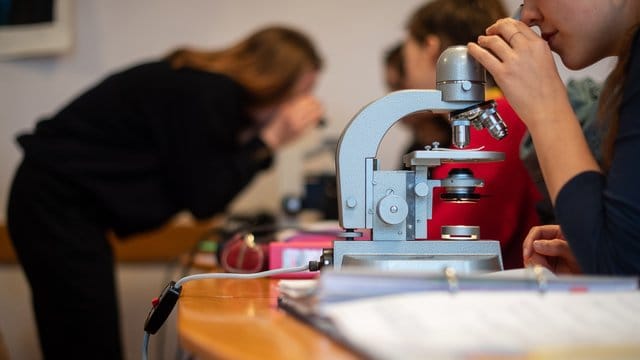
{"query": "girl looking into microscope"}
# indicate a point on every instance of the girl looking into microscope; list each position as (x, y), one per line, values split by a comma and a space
(597, 208)
(185, 132)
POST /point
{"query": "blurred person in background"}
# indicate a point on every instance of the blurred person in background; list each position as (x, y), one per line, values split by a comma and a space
(186, 132)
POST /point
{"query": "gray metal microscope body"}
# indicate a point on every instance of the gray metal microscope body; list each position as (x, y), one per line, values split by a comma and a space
(396, 205)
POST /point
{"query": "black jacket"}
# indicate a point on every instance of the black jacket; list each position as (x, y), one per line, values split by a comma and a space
(150, 141)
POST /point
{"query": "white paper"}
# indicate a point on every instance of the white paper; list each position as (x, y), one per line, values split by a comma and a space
(463, 325)
(297, 288)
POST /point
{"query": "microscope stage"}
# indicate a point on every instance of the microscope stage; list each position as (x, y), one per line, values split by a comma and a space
(439, 156)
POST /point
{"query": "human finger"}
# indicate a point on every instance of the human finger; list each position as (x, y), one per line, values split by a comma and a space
(488, 60)
(554, 247)
(498, 47)
(500, 58)
(537, 233)
(549, 232)
(559, 249)
(505, 36)
(507, 29)
(537, 259)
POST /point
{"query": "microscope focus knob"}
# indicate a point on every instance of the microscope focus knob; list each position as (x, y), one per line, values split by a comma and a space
(421, 189)
(392, 209)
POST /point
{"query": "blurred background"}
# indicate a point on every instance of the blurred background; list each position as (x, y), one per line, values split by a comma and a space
(352, 36)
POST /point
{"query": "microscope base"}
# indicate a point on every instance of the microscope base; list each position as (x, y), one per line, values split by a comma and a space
(465, 257)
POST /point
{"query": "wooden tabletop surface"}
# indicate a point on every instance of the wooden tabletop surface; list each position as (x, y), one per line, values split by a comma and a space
(239, 319)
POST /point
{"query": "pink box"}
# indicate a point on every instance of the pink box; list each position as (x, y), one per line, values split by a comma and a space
(298, 251)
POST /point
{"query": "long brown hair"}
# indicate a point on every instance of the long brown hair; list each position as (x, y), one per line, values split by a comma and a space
(267, 63)
(611, 97)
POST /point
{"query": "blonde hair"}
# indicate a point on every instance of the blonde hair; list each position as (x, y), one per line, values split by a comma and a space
(267, 63)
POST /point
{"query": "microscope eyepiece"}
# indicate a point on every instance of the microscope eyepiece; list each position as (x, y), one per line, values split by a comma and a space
(459, 76)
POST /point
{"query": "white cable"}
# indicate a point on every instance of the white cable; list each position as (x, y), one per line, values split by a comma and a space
(240, 276)
(145, 346)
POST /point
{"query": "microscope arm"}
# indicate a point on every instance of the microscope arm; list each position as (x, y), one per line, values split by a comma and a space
(358, 145)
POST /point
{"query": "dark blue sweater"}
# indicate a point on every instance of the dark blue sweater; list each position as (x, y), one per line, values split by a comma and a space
(600, 214)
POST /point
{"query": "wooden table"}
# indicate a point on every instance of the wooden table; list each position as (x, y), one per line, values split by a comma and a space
(239, 319)
(176, 237)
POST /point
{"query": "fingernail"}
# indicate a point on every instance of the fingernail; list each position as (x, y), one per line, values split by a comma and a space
(538, 245)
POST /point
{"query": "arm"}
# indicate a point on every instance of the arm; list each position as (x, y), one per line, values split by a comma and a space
(528, 77)
(599, 216)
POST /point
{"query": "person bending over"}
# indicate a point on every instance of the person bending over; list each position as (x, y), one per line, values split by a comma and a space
(186, 132)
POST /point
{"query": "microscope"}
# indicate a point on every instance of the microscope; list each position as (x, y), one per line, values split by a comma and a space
(396, 205)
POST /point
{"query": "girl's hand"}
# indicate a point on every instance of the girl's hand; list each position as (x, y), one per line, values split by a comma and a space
(522, 64)
(291, 120)
(546, 246)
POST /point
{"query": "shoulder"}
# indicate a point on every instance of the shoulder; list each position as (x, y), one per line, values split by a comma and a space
(182, 84)
(162, 70)
(209, 85)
